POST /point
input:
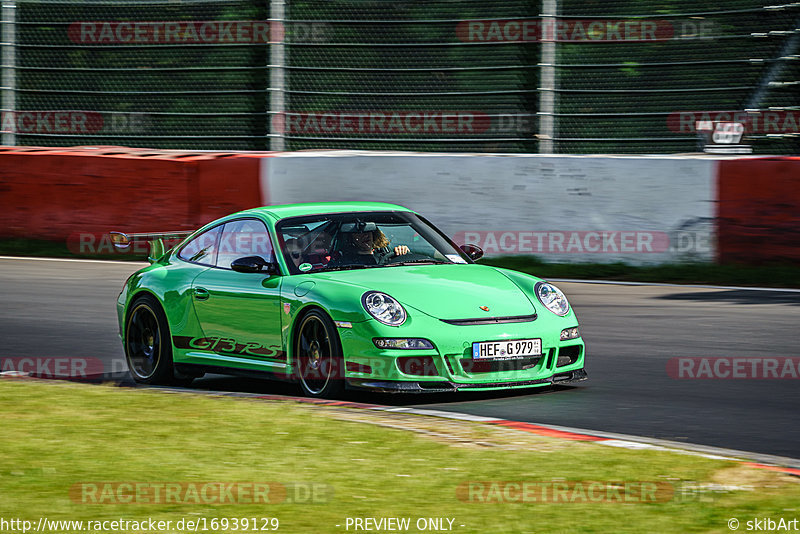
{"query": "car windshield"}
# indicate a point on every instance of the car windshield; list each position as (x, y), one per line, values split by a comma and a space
(342, 241)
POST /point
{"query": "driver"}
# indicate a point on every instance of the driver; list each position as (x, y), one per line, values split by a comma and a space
(364, 244)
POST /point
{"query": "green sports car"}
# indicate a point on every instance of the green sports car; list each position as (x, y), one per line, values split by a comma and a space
(342, 294)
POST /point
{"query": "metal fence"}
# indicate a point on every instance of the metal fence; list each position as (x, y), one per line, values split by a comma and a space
(552, 76)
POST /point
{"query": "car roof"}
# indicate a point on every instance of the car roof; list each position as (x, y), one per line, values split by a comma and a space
(315, 208)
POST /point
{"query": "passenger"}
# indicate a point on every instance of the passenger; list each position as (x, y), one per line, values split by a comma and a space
(294, 251)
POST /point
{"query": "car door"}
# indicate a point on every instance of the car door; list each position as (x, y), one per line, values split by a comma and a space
(198, 255)
(239, 313)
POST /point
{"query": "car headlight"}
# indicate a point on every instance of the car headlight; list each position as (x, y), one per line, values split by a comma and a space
(402, 343)
(384, 308)
(552, 298)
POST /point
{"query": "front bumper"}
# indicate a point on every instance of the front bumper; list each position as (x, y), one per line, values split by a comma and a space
(394, 386)
(449, 365)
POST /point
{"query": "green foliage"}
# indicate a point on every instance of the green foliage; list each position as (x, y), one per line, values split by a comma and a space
(616, 84)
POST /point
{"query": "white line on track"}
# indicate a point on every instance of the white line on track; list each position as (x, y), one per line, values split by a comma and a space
(74, 260)
(662, 284)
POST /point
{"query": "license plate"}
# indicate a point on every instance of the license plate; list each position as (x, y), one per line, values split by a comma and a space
(513, 348)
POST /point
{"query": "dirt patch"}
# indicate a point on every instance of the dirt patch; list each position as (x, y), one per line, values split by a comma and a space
(452, 432)
(752, 478)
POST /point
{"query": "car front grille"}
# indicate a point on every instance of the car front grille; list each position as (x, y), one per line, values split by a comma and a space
(471, 366)
(417, 365)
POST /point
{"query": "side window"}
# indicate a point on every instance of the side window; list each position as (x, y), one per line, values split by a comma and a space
(306, 243)
(246, 237)
(203, 248)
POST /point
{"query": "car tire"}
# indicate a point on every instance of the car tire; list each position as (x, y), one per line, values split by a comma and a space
(318, 356)
(148, 346)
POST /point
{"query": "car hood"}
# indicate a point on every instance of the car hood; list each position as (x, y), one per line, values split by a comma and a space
(451, 291)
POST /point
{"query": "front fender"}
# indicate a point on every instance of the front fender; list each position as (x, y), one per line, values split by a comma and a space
(526, 283)
(339, 300)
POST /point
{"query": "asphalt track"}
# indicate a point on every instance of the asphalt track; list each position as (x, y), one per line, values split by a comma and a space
(66, 309)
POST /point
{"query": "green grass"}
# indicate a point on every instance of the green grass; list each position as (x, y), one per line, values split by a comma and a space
(54, 435)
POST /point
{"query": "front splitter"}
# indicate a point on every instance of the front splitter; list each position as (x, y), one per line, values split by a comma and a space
(446, 386)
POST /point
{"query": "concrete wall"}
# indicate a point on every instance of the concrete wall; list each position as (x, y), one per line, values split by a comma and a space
(561, 208)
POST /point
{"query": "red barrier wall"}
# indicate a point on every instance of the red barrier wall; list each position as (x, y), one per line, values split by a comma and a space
(53, 193)
(759, 210)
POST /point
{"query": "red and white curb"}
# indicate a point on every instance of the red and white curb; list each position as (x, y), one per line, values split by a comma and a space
(790, 466)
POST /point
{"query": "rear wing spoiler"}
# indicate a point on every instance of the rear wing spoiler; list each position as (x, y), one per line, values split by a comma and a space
(155, 240)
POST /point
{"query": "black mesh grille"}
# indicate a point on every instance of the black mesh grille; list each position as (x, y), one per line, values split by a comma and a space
(417, 365)
(568, 355)
(471, 366)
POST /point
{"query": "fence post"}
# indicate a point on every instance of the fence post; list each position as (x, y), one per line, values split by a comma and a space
(547, 80)
(9, 68)
(277, 73)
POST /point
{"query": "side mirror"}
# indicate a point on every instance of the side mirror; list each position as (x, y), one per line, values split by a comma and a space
(473, 251)
(253, 264)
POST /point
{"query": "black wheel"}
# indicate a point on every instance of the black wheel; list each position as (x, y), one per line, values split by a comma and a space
(148, 348)
(318, 354)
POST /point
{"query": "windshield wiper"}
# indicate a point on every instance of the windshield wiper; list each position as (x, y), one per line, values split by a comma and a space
(348, 267)
(410, 262)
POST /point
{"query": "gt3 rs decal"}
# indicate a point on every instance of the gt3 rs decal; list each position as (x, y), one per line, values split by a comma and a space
(225, 345)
